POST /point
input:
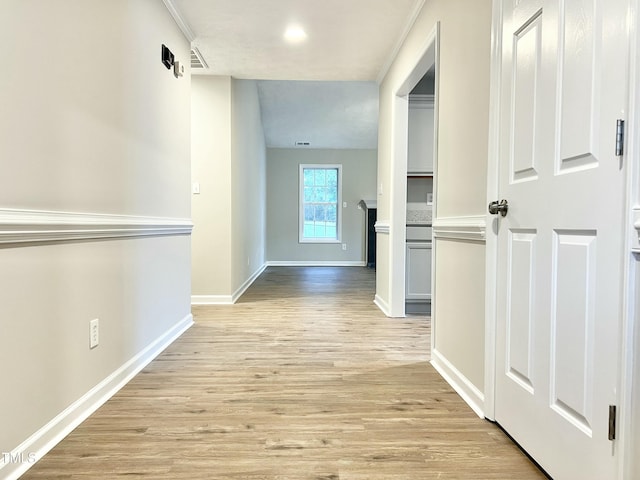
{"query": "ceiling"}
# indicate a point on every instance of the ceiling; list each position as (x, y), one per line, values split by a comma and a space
(339, 115)
(320, 90)
(346, 39)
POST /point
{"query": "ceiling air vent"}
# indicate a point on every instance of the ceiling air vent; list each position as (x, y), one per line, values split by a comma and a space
(302, 144)
(197, 62)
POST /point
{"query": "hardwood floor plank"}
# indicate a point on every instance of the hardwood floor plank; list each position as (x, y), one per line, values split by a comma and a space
(304, 378)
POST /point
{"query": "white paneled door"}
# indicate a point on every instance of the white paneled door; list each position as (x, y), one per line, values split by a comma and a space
(560, 267)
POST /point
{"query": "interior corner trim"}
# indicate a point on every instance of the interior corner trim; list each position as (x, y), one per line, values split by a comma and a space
(461, 228)
(24, 227)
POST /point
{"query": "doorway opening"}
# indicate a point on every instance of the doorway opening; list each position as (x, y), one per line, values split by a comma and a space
(419, 212)
(414, 172)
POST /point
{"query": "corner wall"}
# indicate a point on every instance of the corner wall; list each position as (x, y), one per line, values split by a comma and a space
(460, 188)
(249, 186)
(229, 213)
(211, 169)
(94, 209)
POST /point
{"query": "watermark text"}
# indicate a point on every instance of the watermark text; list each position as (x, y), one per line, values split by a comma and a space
(18, 457)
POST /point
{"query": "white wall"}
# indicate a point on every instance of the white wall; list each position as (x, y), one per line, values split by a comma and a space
(359, 182)
(459, 334)
(94, 120)
(249, 187)
(461, 177)
(211, 168)
(229, 162)
(91, 124)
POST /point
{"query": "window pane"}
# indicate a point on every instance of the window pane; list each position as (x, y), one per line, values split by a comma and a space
(320, 194)
(320, 174)
(331, 195)
(331, 231)
(331, 213)
(308, 194)
(308, 213)
(308, 177)
(332, 177)
(320, 213)
(308, 230)
(319, 231)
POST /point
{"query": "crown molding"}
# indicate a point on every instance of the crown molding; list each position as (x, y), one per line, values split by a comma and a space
(411, 20)
(179, 18)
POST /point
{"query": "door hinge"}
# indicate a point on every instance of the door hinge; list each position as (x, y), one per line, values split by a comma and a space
(612, 422)
(619, 138)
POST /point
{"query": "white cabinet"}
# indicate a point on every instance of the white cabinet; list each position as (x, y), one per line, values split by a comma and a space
(421, 124)
(418, 272)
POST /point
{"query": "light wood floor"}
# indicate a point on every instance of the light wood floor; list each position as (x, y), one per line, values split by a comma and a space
(302, 379)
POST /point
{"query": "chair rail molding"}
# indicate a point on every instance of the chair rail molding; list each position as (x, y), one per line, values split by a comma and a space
(473, 228)
(382, 226)
(40, 226)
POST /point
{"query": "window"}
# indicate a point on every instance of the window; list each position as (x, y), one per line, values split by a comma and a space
(320, 198)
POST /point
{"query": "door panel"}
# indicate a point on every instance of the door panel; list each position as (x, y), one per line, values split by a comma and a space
(560, 264)
(578, 57)
(526, 87)
(573, 327)
(521, 308)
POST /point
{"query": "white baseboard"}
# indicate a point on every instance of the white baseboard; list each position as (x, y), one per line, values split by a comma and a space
(231, 299)
(227, 299)
(243, 288)
(47, 437)
(382, 305)
(316, 263)
(461, 384)
(211, 300)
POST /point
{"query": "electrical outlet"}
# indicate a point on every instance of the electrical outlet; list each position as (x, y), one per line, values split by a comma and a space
(344, 246)
(94, 333)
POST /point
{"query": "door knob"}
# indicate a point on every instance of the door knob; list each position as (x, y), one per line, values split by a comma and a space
(501, 207)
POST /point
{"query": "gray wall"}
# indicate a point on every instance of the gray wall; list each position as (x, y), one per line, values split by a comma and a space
(359, 182)
(90, 122)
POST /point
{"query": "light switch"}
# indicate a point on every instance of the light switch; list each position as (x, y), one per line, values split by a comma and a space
(195, 188)
(344, 204)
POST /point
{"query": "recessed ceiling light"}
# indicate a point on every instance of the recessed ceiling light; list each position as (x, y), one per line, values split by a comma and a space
(295, 34)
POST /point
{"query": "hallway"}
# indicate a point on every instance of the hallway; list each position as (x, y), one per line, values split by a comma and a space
(303, 378)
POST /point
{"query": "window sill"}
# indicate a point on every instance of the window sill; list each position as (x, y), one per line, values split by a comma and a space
(320, 241)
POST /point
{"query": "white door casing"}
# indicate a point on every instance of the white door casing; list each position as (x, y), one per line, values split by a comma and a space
(560, 247)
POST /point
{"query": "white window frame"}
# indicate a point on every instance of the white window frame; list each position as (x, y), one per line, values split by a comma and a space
(301, 237)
